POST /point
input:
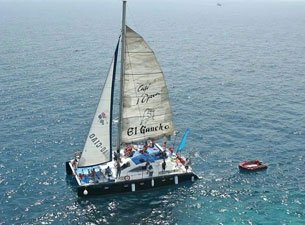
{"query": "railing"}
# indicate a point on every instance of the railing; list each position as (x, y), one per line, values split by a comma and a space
(101, 177)
(147, 174)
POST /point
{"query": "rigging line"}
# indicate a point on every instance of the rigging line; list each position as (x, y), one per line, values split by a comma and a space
(147, 52)
(156, 115)
(128, 74)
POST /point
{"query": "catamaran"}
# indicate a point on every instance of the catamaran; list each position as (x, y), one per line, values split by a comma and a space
(137, 162)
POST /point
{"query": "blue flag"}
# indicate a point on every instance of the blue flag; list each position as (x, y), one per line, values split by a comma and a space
(183, 140)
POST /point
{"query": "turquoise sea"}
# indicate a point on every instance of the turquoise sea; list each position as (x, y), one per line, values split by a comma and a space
(236, 78)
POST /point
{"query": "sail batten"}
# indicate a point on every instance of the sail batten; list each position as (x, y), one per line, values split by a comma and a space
(146, 111)
(135, 74)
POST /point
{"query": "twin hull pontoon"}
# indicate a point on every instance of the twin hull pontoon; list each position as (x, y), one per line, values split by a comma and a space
(141, 171)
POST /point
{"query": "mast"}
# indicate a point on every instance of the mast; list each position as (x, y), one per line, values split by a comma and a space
(122, 73)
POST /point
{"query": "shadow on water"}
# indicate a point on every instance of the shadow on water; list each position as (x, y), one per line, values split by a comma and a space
(241, 171)
(71, 183)
(145, 207)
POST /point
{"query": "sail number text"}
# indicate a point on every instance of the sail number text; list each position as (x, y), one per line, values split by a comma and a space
(97, 143)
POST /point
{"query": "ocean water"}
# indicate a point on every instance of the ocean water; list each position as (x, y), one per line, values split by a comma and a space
(236, 78)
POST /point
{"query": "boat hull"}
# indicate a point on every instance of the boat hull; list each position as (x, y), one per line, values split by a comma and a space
(253, 165)
(135, 185)
(69, 170)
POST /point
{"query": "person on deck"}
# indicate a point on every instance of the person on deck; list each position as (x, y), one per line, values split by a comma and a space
(147, 164)
(118, 167)
(108, 172)
(164, 155)
(163, 165)
(93, 173)
(150, 170)
(171, 150)
(128, 150)
(187, 163)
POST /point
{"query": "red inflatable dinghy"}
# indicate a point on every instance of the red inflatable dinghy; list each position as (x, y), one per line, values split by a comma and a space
(252, 165)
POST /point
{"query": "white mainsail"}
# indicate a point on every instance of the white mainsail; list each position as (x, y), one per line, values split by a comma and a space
(97, 148)
(146, 111)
